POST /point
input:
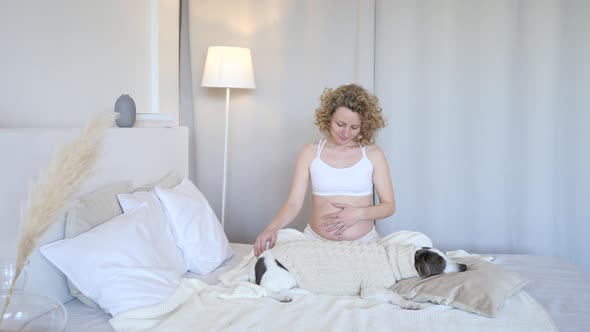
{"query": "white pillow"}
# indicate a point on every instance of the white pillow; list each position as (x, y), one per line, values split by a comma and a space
(129, 202)
(122, 264)
(198, 233)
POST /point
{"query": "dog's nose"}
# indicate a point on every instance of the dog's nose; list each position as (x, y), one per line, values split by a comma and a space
(462, 267)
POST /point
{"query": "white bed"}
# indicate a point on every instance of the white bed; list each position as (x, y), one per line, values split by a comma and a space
(144, 155)
(561, 288)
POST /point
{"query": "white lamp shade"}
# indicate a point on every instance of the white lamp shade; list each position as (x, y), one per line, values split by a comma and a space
(228, 67)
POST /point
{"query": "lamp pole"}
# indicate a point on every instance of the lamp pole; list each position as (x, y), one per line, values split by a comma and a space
(225, 158)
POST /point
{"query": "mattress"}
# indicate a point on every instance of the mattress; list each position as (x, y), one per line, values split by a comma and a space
(559, 286)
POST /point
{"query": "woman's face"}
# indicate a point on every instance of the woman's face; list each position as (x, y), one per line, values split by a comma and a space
(345, 125)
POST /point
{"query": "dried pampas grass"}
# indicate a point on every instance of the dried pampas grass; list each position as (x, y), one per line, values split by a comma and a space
(56, 185)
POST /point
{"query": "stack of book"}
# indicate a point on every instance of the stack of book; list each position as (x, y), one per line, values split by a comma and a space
(151, 120)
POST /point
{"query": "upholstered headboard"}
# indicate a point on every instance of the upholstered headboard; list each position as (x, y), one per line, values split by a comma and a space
(140, 154)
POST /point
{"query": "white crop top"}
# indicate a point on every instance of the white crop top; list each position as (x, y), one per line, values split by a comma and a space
(356, 180)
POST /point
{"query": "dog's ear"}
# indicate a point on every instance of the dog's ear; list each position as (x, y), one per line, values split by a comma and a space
(428, 263)
(260, 270)
(422, 267)
(420, 263)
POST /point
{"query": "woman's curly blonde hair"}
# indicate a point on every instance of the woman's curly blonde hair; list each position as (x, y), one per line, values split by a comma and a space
(358, 100)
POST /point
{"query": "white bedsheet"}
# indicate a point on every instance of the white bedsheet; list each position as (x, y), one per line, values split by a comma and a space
(196, 306)
(561, 287)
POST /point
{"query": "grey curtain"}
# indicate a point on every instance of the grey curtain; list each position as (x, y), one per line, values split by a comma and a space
(489, 110)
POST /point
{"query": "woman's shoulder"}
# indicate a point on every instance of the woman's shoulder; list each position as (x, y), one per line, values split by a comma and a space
(374, 151)
(373, 148)
(310, 147)
(313, 147)
(308, 151)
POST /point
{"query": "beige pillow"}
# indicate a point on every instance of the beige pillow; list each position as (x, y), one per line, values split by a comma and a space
(90, 211)
(170, 180)
(482, 289)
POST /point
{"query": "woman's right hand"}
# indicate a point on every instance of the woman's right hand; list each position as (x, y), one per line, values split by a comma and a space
(269, 235)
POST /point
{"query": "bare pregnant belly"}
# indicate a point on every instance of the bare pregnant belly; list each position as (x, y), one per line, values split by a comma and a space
(322, 205)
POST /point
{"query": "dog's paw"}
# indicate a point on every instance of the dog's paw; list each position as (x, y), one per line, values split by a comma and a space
(409, 305)
(285, 298)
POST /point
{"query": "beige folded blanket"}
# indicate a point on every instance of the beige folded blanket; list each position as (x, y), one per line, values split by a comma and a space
(342, 268)
(339, 268)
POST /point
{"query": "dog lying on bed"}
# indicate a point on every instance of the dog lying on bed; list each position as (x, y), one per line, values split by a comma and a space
(347, 268)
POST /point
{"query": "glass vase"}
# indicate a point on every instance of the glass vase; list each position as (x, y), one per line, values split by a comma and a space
(7, 271)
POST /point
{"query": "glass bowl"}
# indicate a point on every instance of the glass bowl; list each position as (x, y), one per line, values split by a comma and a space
(31, 313)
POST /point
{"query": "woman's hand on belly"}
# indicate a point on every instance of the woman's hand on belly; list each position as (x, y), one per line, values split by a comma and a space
(327, 209)
(338, 222)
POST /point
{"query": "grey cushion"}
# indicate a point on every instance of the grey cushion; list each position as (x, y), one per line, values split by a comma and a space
(90, 211)
(40, 272)
(482, 289)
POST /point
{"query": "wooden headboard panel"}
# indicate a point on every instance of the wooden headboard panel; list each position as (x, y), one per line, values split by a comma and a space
(140, 154)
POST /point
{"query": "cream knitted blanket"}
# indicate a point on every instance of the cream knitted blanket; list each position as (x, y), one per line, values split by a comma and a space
(340, 268)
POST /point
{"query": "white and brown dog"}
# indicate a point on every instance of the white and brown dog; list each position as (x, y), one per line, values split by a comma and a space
(347, 268)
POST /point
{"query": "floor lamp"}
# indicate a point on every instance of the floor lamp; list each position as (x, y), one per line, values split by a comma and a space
(229, 68)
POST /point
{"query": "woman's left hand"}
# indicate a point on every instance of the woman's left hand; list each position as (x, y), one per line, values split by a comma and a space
(338, 222)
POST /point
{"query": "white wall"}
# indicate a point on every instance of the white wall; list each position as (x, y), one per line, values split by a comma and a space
(62, 61)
